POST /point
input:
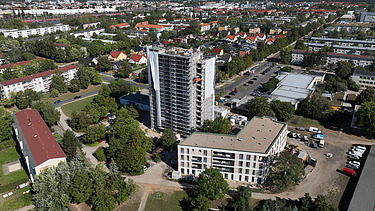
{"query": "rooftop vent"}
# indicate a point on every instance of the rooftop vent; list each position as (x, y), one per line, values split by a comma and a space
(35, 135)
(240, 139)
(29, 122)
(253, 137)
(259, 143)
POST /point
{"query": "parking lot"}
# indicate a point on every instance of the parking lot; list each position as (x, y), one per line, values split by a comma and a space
(323, 179)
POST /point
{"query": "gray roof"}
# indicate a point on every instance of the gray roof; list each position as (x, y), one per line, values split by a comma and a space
(363, 73)
(341, 46)
(297, 80)
(342, 40)
(137, 98)
(259, 136)
(363, 197)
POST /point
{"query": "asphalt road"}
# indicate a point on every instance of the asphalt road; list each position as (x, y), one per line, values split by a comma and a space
(72, 99)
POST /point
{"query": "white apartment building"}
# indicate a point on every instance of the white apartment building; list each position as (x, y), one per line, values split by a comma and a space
(341, 49)
(334, 58)
(181, 87)
(87, 33)
(344, 42)
(364, 79)
(242, 157)
(15, 33)
(39, 82)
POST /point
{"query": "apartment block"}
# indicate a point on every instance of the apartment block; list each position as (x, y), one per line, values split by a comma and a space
(344, 42)
(341, 49)
(242, 157)
(364, 79)
(334, 58)
(39, 148)
(181, 87)
(39, 82)
(15, 33)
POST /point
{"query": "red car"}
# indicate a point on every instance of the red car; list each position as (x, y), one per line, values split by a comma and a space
(100, 140)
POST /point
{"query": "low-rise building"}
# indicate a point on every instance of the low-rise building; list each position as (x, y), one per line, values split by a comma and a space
(275, 30)
(254, 30)
(340, 49)
(90, 25)
(117, 55)
(220, 111)
(87, 33)
(138, 99)
(39, 82)
(364, 79)
(137, 59)
(242, 157)
(39, 148)
(10, 66)
(367, 17)
(205, 27)
(343, 42)
(119, 26)
(15, 33)
(334, 58)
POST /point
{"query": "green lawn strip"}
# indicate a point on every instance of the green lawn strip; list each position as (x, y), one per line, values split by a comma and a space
(164, 201)
(76, 106)
(69, 95)
(10, 181)
(299, 121)
(16, 201)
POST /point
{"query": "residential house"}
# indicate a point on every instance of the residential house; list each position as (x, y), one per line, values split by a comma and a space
(136, 50)
(235, 29)
(271, 41)
(231, 38)
(90, 25)
(90, 62)
(87, 33)
(254, 30)
(120, 26)
(117, 65)
(117, 55)
(218, 51)
(214, 24)
(241, 35)
(223, 28)
(261, 36)
(137, 59)
(145, 25)
(275, 30)
(249, 39)
(39, 148)
(205, 27)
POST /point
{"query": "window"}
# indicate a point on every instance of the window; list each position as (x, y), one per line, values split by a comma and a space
(205, 160)
(253, 172)
(240, 178)
(182, 157)
(226, 176)
(246, 178)
(241, 156)
(182, 164)
(247, 164)
(182, 150)
(240, 171)
(247, 171)
(187, 151)
(204, 166)
(193, 172)
(182, 171)
(248, 157)
(205, 152)
(255, 157)
(188, 164)
(240, 163)
(252, 179)
(254, 165)
(187, 157)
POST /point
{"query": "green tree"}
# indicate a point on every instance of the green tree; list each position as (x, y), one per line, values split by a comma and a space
(79, 120)
(200, 203)
(212, 185)
(48, 112)
(219, 125)
(80, 188)
(7, 45)
(104, 64)
(320, 204)
(367, 95)
(287, 171)
(366, 116)
(125, 70)
(6, 125)
(28, 56)
(285, 56)
(344, 69)
(143, 76)
(75, 85)
(97, 79)
(305, 202)
(94, 133)
(283, 110)
(58, 82)
(47, 64)
(70, 144)
(168, 138)
(23, 99)
(314, 106)
(242, 198)
(259, 106)
(83, 78)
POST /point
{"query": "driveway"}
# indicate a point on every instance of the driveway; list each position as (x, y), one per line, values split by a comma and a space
(89, 151)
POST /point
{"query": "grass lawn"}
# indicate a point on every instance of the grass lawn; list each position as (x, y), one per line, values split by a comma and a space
(16, 201)
(165, 201)
(76, 106)
(335, 195)
(299, 121)
(10, 181)
(69, 95)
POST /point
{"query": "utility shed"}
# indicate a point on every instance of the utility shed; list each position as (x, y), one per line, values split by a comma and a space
(363, 197)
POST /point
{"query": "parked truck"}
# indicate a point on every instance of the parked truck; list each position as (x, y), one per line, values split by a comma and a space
(349, 172)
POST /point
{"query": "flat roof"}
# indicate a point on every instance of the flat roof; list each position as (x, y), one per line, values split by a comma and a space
(341, 46)
(297, 80)
(342, 40)
(363, 197)
(257, 136)
(137, 98)
(363, 73)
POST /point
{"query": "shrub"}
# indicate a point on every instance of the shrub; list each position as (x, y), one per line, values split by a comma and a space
(99, 154)
(156, 157)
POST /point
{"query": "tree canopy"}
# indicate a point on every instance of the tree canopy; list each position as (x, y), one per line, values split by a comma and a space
(283, 110)
(212, 185)
(366, 116)
(219, 125)
(70, 144)
(314, 106)
(367, 95)
(48, 112)
(259, 106)
(168, 138)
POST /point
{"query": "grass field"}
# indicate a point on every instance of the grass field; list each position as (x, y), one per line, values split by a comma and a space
(159, 201)
(299, 121)
(10, 181)
(69, 95)
(76, 106)
(16, 201)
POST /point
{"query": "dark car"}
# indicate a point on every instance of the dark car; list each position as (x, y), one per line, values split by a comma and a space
(250, 82)
(57, 101)
(77, 97)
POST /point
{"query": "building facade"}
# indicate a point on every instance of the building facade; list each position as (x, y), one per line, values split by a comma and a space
(39, 148)
(15, 33)
(344, 42)
(39, 82)
(181, 87)
(364, 79)
(334, 58)
(341, 49)
(243, 157)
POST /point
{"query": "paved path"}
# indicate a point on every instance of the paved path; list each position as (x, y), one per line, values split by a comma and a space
(29, 207)
(88, 150)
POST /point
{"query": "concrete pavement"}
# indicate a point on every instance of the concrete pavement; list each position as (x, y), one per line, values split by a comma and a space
(89, 151)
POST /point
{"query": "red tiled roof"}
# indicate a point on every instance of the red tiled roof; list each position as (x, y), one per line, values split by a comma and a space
(232, 37)
(216, 50)
(116, 54)
(214, 22)
(136, 57)
(42, 144)
(271, 39)
(146, 25)
(260, 35)
(338, 54)
(251, 38)
(165, 42)
(204, 24)
(120, 25)
(281, 36)
(18, 63)
(42, 74)
(241, 34)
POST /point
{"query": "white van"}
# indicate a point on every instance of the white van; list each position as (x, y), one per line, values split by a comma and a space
(314, 130)
(321, 143)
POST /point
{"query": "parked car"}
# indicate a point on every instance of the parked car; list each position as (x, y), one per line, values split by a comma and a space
(57, 101)
(353, 162)
(294, 135)
(355, 153)
(305, 138)
(299, 136)
(301, 128)
(77, 97)
(354, 157)
(329, 155)
(360, 147)
(148, 165)
(358, 150)
(352, 166)
(100, 140)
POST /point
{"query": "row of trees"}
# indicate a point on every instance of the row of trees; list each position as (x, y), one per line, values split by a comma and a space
(72, 182)
(219, 125)
(259, 106)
